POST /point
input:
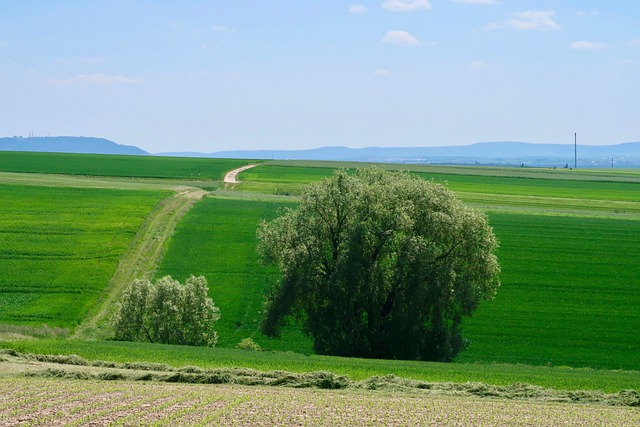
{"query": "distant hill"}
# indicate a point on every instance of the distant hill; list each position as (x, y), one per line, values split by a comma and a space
(505, 153)
(68, 144)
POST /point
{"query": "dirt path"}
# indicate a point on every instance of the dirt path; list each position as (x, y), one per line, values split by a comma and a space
(230, 177)
(143, 256)
(141, 259)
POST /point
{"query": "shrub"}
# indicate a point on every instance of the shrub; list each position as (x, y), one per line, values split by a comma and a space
(249, 344)
(167, 312)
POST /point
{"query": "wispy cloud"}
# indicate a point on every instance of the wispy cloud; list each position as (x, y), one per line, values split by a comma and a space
(3, 44)
(223, 29)
(401, 38)
(530, 20)
(95, 78)
(358, 8)
(586, 45)
(585, 13)
(476, 1)
(479, 65)
(634, 43)
(406, 5)
(381, 72)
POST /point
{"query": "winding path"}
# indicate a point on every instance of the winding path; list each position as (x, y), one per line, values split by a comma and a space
(230, 177)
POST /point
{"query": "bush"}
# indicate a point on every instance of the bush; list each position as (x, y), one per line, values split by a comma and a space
(249, 344)
(167, 312)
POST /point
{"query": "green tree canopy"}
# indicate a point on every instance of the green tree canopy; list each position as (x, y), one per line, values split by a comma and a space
(167, 312)
(379, 264)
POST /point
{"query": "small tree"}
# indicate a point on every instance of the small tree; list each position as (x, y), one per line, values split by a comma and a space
(167, 312)
(379, 264)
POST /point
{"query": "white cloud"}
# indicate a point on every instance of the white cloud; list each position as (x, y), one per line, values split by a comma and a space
(476, 1)
(357, 8)
(381, 72)
(400, 38)
(223, 29)
(541, 20)
(585, 45)
(406, 5)
(3, 44)
(95, 78)
(479, 65)
(634, 43)
(585, 13)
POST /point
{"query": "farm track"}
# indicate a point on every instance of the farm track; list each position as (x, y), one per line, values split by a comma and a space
(231, 176)
(141, 259)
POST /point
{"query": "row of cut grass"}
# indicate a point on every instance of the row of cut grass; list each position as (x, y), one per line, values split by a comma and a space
(357, 369)
(60, 246)
(117, 165)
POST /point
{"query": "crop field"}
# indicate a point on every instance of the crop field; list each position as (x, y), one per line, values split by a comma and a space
(494, 184)
(33, 401)
(60, 246)
(569, 295)
(116, 165)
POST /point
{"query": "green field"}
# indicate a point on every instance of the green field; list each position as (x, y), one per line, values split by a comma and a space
(59, 248)
(569, 249)
(552, 268)
(117, 165)
(569, 295)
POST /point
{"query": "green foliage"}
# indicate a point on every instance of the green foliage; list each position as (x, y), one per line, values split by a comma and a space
(118, 165)
(168, 312)
(379, 264)
(59, 247)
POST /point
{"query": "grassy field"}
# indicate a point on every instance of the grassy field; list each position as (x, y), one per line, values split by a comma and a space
(116, 165)
(60, 246)
(569, 295)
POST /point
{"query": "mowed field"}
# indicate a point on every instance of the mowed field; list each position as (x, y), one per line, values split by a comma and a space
(60, 246)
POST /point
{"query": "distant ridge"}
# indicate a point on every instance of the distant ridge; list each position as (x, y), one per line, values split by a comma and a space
(68, 144)
(505, 153)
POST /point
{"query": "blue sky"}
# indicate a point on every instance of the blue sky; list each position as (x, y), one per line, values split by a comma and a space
(281, 74)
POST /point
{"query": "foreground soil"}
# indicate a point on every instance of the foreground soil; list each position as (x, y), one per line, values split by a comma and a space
(68, 390)
(35, 401)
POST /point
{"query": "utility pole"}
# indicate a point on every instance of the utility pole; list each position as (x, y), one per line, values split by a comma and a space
(575, 150)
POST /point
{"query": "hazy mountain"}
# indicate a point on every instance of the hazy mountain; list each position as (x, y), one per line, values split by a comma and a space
(513, 153)
(68, 144)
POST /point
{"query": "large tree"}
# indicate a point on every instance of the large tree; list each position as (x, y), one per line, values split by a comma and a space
(379, 264)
